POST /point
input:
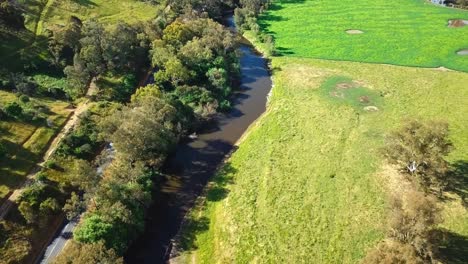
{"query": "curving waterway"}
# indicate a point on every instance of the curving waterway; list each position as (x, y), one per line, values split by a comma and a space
(189, 169)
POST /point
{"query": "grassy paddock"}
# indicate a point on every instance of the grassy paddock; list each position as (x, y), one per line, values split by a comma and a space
(25, 141)
(402, 32)
(308, 183)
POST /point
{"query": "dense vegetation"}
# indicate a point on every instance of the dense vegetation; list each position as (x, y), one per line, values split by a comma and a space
(311, 179)
(194, 65)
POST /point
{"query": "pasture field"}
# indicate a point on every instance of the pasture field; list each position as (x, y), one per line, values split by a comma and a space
(26, 141)
(400, 32)
(308, 181)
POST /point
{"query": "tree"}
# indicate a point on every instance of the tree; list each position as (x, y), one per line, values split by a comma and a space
(94, 253)
(414, 221)
(28, 212)
(147, 130)
(94, 229)
(83, 176)
(91, 52)
(11, 14)
(419, 149)
(64, 42)
(392, 252)
(74, 206)
(121, 49)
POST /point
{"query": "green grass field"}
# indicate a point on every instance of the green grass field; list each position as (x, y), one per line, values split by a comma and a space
(401, 32)
(25, 142)
(308, 185)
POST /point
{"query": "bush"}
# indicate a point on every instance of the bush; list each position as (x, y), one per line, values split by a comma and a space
(390, 252)
(24, 98)
(13, 109)
(419, 150)
(414, 222)
(50, 164)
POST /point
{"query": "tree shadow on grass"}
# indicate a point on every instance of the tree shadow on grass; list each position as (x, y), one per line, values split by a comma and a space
(454, 249)
(458, 180)
(86, 3)
(217, 190)
(197, 223)
(193, 227)
(283, 51)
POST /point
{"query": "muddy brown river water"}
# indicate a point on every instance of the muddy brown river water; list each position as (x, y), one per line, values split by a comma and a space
(192, 165)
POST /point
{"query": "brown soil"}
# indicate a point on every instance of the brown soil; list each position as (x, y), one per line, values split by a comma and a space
(458, 23)
(345, 85)
(337, 94)
(364, 99)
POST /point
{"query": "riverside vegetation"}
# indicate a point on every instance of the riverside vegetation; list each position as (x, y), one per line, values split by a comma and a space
(327, 173)
(94, 61)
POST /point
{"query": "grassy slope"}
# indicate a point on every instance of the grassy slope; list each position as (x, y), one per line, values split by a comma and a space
(308, 183)
(402, 32)
(26, 142)
(41, 15)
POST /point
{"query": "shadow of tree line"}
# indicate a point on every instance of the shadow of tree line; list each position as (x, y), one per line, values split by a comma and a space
(197, 223)
(454, 247)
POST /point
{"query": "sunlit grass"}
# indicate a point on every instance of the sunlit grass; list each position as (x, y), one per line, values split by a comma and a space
(304, 187)
(26, 141)
(402, 32)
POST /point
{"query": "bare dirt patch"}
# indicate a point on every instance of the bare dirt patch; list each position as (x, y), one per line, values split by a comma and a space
(463, 52)
(347, 85)
(337, 94)
(457, 23)
(354, 31)
(364, 99)
(371, 108)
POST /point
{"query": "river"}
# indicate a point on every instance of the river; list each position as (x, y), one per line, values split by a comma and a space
(189, 169)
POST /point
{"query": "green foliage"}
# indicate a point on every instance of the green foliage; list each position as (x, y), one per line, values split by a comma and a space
(83, 141)
(74, 206)
(196, 63)
(13, 109)
(94, 229)
(95, 253)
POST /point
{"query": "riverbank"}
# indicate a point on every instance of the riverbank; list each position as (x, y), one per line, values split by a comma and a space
(309, 182)
(194, 162)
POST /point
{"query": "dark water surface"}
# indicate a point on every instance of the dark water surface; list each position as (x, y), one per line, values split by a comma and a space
(194, 162)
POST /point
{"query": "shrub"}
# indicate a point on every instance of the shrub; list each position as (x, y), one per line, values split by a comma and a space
(24, 98)
(13, 109)
(419, 150)
(414, 222)
(391, 252)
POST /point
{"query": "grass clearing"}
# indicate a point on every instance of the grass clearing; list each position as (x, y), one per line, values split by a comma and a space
(401, 32)
(26, 141)
(306, 183)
